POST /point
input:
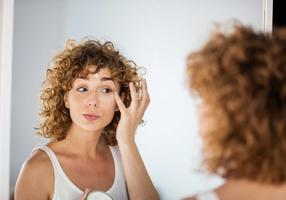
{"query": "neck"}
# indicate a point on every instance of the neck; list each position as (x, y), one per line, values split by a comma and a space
(245, 189)
(88, 143)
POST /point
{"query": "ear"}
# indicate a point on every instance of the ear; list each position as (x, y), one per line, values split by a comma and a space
(66, 101)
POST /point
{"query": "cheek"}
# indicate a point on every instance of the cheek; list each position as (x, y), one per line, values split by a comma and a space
(75, 102)
(109, 103)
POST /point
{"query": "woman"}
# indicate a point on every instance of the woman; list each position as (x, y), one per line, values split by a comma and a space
(240, 78)
(92, 102)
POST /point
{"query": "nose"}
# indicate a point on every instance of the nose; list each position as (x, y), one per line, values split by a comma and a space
(92, 101)
(91, 104)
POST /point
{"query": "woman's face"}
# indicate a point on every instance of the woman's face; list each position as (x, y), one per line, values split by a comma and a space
(91, 101)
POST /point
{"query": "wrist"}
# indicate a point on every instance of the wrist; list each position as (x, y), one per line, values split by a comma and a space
(126, 142)
(125, 138)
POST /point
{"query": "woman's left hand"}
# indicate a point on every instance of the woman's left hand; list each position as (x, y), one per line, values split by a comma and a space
(131, 116)
(85, 194)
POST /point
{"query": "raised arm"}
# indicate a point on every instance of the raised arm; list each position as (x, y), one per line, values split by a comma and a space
(139, 183)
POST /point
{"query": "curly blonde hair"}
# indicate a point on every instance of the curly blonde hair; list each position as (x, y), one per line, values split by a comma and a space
(241, 78)
(73, 62)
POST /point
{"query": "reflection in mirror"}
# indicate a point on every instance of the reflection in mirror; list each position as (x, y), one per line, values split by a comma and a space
(157, 35)
(240, 76)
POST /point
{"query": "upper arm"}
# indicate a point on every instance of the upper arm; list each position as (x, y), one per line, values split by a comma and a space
(36, 178)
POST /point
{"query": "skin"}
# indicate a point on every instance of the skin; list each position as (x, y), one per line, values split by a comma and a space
(248, 190)
(90, 165)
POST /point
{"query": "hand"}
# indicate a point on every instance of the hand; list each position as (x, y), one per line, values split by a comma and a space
(84, 196)
(131, 116)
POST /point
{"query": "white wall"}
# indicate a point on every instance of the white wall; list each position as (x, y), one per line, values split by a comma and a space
(157, 35)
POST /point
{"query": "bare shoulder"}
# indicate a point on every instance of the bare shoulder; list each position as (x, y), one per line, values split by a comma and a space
(38, 158)
(36, 178)
(38, 163)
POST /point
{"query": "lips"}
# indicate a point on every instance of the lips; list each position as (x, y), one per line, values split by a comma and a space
(90, 116)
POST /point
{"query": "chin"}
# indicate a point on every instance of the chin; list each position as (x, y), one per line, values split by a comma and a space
(92, 129)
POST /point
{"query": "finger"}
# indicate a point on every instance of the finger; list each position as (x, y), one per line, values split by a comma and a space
(133, 94)
(119, 102)
(145, 99)
(84, 196)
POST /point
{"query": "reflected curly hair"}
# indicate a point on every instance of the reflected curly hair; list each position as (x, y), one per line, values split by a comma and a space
(71, 63)
(241, 78)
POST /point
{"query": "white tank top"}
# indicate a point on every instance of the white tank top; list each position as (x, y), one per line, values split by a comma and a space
(65, 189)
(207, 196)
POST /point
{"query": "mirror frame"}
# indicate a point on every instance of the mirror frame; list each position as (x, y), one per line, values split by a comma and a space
(267, 16)
(6, 52)
(6, 43)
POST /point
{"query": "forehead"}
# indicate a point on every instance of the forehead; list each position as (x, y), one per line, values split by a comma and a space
(102, 72)
(93, 74)
(92, 71)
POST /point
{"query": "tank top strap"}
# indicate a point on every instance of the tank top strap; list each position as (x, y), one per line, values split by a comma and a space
(61, 180)
(119, 186)
(51, 155)
(66, 189)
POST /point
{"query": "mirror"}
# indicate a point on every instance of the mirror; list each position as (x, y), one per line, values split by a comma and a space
(155, 34)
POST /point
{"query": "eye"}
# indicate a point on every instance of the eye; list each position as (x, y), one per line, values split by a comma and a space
(106, 90)
(81, 89)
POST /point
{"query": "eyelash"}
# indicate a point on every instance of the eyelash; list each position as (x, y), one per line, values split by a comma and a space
(80, 89)
(83, 89)
(107, 89)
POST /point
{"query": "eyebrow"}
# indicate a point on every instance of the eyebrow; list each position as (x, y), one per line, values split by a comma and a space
(102, 79)
(106, 79)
